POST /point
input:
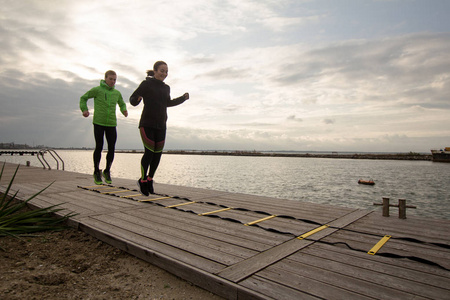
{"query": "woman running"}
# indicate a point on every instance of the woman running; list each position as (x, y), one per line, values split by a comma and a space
(152, 126)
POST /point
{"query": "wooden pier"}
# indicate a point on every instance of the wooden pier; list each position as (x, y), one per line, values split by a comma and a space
(19, 152)
(250, 247)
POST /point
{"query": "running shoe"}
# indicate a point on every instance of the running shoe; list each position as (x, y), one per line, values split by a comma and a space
(143, 187)
(98, 177)
(150, 185)
(107, 176)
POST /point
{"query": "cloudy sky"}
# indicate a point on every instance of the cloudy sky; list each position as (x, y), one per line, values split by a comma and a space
(325, 75)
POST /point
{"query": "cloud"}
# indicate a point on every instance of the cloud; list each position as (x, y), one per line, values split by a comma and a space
(261, 74)
(225, 73)
(294, 118)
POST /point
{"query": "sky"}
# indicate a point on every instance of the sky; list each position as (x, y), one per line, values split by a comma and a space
(325, 75)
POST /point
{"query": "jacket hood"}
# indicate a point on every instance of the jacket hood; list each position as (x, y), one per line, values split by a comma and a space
(103, 84)
(153, 79)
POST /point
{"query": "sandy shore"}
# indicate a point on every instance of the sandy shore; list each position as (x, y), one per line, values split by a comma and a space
(73, 265)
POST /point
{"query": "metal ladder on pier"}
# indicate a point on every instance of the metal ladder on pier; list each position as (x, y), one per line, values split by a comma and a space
(39, 154)
(55, 156)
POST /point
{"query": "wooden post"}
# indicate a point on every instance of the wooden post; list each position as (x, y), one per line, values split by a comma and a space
(402, 208)
(385, 207)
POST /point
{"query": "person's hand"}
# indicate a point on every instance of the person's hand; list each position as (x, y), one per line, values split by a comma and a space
(86, 113)
(186, 96)
(125, 113)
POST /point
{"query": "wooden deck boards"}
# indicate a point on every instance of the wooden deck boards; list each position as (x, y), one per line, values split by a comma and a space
(218, 252)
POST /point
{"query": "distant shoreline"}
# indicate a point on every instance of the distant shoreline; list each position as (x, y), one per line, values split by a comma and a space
(394, 156)
(343, 155)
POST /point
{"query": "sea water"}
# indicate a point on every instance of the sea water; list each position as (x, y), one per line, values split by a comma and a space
(424, 184)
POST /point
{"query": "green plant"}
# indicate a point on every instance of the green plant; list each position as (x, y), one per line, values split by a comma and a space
(16, 220)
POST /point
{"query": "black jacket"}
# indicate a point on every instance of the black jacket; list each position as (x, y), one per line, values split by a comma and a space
(156, 96)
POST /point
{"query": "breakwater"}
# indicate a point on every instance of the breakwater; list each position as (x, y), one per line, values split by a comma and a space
(389, 156)
(379, 156)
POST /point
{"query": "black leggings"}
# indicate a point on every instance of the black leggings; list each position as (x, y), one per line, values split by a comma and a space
(111, 138)
(153, 140)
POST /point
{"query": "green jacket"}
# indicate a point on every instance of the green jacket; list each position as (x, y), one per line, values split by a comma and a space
(105, 100)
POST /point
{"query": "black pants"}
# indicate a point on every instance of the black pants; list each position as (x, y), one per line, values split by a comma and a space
(111, 138)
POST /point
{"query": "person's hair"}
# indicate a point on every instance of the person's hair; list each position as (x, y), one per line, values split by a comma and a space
(109, 72)
(155, 67)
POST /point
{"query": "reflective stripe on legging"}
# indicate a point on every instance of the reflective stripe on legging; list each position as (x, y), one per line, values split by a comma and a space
(153, 140)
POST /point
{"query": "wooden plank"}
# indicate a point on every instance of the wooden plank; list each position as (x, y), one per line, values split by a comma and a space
(213, 228)
(241, 216)
(178, 239)
(222, 229)
(431, 230)
(326, 284)
(282, 224)
(193, 194)
(290, 229)
(356, 279)
(176, 230)
(296, 209)
(435, 254)
(381, 272)
(83, 205)
(279, 203)
(394, 244)
(282, 206)
(278, 291)
(123, 237)
(400, 267)
(177, 267)
(349, 218)
(50, 188)
(379, 222)
(246, 268)
(252, 265)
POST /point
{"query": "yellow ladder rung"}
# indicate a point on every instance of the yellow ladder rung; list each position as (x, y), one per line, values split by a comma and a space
(260, 220)
(104, 188)
(147, 200)
(305, 235)
(379, 245)
(215, 211)
(115, 192)
(92, 186)
(129, 196)
(181, 204)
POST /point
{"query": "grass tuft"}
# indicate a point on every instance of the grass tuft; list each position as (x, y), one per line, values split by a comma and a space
(16, 220)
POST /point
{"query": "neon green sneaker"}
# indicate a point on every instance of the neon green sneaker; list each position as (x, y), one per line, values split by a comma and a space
(107, 177)
(98, 178)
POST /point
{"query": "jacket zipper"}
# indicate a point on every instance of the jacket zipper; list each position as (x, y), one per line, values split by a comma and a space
(108, 107)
